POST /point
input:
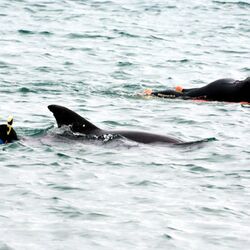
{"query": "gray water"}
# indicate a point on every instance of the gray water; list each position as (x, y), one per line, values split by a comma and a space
(95, 57)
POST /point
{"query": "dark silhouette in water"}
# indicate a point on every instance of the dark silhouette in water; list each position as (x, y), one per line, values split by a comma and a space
(7, 133)
(226, 90)
(78, 124)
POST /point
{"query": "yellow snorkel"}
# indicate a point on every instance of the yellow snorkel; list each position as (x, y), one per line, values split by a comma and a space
(9, 124)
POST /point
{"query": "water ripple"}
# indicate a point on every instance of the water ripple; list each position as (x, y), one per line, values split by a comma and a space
(95, 57)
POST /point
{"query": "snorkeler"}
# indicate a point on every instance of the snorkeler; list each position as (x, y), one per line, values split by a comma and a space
(7, 133)
(225, 90)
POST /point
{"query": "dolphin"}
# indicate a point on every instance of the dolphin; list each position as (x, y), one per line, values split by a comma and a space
(78, 124)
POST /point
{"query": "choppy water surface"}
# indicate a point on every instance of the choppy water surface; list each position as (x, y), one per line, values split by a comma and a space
(93, 57)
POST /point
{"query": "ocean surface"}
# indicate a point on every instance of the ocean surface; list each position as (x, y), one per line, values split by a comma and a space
(95, 57)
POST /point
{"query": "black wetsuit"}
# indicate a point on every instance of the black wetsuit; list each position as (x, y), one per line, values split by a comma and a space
(228, 90)
(4, 136)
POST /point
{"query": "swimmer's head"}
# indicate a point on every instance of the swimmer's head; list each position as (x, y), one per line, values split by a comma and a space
(7, 133)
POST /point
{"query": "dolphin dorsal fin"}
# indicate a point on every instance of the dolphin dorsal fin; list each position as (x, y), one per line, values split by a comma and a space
(65, 116)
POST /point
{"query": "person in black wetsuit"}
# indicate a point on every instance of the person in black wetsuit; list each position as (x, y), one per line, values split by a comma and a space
(227, 90)
(7, 133)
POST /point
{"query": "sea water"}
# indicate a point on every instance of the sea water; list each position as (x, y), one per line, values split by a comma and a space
(94, 57)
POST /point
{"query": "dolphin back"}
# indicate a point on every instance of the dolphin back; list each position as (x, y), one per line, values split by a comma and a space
(146, 138)
(65, 116)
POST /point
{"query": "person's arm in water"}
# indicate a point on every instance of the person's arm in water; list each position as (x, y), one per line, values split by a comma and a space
(225, 89)
(168, 93)
(209, 91)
